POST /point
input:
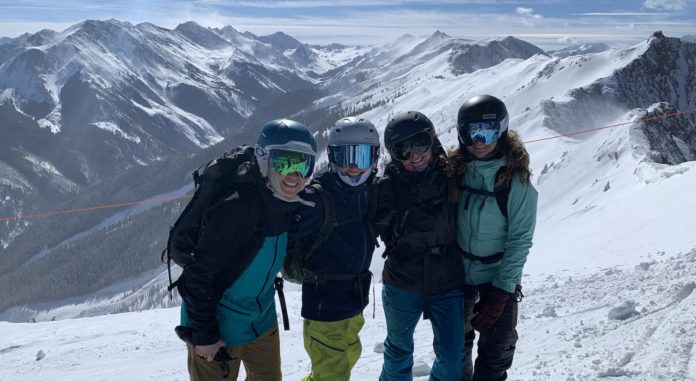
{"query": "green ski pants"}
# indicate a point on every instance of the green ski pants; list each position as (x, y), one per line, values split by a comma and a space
(333, 347)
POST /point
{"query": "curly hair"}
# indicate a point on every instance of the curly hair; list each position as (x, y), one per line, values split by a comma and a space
(517, 165)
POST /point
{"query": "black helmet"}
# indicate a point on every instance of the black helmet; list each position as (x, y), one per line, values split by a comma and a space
(482, 118)
(405, 124)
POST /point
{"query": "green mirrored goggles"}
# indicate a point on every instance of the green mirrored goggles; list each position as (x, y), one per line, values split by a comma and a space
(288, 162)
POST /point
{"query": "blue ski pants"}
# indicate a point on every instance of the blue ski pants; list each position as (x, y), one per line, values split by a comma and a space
(402, 310)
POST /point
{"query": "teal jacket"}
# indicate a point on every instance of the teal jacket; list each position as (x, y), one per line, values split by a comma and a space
(482, 230)
(247, 308)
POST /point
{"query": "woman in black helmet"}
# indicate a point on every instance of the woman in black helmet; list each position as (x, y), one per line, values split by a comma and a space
(495, 226)
(422, 274)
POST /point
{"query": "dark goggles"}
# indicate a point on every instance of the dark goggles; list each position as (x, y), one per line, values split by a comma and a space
(486, 132)
(288, 162)
(418, 143)
(362, 156)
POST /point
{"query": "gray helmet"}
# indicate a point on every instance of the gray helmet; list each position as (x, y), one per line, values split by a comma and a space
(353, 141)
(353, 130)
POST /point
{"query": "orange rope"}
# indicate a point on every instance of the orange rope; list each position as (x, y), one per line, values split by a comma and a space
(614, 125)
(92, 208)
(158, 199)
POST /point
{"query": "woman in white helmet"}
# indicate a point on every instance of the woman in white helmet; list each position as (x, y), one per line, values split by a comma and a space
(336, 241)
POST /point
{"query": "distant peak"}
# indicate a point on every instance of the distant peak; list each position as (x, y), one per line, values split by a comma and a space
(280, 34)
(440, 35)
(281, 41)
(188, 25)
(229, 29)
(658, 34)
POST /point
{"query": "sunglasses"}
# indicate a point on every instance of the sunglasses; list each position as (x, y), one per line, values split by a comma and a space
(418, 143)
(486, 132)
(288, 162)
(362, 156)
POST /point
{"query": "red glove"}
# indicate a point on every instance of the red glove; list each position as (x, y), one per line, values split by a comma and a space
(489, 308)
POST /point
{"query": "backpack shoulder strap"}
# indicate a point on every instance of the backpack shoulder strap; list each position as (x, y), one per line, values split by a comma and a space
(329, 220)
(502, 192)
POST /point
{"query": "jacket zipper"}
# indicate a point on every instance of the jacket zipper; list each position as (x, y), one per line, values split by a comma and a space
(268, 274)
(364, 256)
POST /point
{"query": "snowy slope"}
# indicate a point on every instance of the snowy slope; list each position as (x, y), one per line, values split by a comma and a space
(565, 333)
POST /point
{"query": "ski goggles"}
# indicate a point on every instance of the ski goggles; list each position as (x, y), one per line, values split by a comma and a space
(418, 143)
(485, 132)
(288, 162)
(362, 156)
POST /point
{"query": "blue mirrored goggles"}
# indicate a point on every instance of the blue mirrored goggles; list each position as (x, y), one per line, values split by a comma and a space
(362, 156)
(486, 132)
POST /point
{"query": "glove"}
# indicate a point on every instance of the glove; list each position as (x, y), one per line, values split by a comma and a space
(488, 310)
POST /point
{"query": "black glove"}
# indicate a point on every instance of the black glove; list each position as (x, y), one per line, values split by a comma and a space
(488, 310)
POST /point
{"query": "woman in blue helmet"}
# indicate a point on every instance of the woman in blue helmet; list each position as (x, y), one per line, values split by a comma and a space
(336, 282)
(228, 293)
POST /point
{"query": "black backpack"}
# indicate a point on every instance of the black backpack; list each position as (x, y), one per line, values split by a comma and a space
(297, 255)
(212, 182)
(501, 193)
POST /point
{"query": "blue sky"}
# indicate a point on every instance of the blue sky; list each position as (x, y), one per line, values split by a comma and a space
(547, 23)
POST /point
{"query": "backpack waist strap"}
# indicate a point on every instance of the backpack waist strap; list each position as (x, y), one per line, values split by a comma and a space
(484, 260)
(321, 277)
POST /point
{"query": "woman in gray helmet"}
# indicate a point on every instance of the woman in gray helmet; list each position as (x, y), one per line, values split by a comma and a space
(335, 239)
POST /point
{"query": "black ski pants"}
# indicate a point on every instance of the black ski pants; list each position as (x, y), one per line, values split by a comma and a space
(496, 348)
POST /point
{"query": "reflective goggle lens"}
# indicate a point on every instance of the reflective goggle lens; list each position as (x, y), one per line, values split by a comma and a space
(287, 162)
(361, 155)
(486, 132)
(418, 143)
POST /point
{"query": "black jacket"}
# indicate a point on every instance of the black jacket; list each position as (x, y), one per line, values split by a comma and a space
(232, 233)
(347, 250)
(417, 224)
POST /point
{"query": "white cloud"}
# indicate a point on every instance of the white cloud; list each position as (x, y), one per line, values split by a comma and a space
(669, 5)
(566, 40)
(339, 3)
(618, 14)
(626, 27)
(529, 18)
(382, 25)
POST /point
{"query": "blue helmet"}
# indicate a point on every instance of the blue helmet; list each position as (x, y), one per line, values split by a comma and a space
(285, 135)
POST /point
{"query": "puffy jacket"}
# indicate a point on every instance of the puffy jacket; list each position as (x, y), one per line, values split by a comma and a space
(228, 291)
(346, 251)
(483, 231)
(416, 222)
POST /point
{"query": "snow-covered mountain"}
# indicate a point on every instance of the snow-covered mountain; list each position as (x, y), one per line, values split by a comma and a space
(105, 96)
(579, 49)
(610, 199)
